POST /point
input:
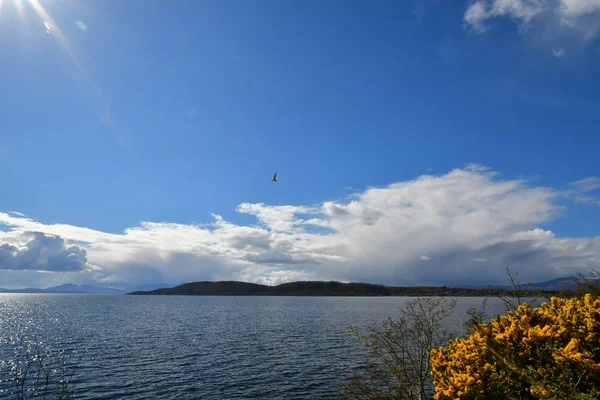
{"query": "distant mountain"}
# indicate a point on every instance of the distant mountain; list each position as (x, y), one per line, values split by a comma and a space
(567, 283)
(317, 288)
(25, 290)
(150, 286)
(71, 288)
(67, 288)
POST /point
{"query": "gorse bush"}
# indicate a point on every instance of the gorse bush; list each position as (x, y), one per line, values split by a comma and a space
(550, 352)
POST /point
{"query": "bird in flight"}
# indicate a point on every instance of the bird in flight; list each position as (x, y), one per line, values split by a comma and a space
(274, 177)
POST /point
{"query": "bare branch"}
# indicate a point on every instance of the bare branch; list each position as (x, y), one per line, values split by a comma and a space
(401, 368)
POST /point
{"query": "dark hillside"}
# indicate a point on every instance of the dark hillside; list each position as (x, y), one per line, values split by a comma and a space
(319, 288)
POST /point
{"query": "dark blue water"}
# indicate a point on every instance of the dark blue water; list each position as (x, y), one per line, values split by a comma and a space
(204, 347)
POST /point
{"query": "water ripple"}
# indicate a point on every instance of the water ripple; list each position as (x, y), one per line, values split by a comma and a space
(140, 347)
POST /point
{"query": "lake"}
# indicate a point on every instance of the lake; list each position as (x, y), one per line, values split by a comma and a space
(208, 347)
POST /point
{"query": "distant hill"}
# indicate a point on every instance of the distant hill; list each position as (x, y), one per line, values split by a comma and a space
(70, 288)
(567, 283)
(67, 288)
(557, 284)
(304, 288)
(320, 288)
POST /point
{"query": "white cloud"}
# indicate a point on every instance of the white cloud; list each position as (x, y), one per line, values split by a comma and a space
(588, 184)
(558, 53)
(576, 8)
(521, 10)
(476, 14)
(584, 186)
(578, 15)
(275, 218)
(474, 223)
(37, 251)
(587, 200)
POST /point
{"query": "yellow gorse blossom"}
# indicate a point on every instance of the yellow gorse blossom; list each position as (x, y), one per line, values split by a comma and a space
(530, 353)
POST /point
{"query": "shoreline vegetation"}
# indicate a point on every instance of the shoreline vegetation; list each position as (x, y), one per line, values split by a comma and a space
(334, 288)
(551, 351)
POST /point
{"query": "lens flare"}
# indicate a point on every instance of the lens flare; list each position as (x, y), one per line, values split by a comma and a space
(49, 27)
(81, 25)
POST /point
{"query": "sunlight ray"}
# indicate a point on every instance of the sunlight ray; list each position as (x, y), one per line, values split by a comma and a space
(20, 9)
(53, 29)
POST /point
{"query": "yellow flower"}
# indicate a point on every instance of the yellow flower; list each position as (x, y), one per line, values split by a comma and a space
(515, 352)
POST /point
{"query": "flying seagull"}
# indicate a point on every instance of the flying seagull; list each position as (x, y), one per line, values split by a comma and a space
(274, 177)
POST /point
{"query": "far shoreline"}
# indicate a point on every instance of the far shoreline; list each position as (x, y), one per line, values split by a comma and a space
(337, 289)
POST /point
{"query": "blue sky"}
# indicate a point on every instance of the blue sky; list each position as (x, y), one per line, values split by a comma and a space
(168, 112)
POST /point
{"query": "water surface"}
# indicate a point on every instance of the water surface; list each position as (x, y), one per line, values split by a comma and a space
(209, 347)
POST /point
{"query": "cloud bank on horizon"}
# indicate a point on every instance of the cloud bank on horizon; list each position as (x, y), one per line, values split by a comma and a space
(462, 227)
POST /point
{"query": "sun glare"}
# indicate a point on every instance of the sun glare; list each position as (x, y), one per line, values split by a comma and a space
(19, 7)
(50, 27)
(47, 22)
